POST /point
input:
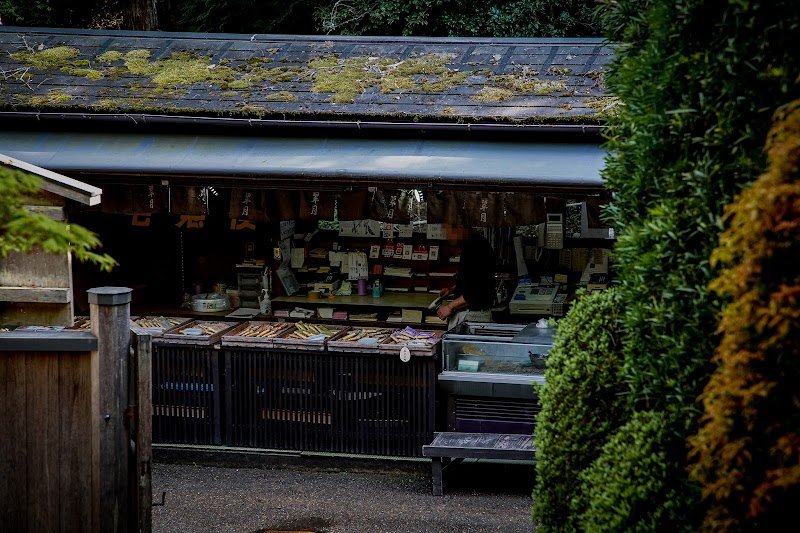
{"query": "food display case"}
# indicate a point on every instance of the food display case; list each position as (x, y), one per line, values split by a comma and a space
(494, 360)
(487, 377)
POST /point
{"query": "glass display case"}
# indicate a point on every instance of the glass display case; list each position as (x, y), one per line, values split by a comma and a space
(496, 360)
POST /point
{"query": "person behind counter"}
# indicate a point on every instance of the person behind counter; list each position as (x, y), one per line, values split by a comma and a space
(474, 289)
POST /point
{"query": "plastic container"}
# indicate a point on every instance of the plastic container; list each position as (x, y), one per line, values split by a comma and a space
(210, 302)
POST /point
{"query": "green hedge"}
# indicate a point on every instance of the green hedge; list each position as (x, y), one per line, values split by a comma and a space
(581, 407)
(699, 79)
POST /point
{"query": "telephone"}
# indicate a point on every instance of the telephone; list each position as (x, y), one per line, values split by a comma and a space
(555, 231)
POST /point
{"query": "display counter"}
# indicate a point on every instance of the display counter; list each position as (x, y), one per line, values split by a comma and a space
(488, 376)
(262, 384)
(414, 300)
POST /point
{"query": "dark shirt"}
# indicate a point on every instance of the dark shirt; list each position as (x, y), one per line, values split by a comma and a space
(475, 278)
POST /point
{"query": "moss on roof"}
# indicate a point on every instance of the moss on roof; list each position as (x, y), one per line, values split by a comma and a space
(356, 78)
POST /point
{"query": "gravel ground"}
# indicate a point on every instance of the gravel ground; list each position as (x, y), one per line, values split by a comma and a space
(479, 497)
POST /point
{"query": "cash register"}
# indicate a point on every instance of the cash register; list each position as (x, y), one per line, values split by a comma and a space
(533, 299)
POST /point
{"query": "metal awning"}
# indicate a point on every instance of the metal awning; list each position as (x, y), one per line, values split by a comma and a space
(306, 160)
(56, 183)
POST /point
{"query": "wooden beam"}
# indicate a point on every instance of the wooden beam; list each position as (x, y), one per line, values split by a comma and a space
(50, 295)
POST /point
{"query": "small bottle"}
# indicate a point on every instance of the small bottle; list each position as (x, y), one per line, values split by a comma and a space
(264, 303)
(377, 289)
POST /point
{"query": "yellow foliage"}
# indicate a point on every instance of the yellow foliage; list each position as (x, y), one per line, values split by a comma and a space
(746, 454)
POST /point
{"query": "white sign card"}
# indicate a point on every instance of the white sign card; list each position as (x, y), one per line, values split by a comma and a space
(404, 231)
(286, 228)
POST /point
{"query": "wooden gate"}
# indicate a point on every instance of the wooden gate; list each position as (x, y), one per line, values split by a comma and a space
(71, 404)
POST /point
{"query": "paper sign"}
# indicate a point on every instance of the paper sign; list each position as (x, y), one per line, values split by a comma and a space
(404, 231)
(286, 228)
(298, 257)
(436, 232)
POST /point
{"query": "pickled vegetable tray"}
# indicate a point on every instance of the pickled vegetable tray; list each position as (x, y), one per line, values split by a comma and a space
(361, 340)
(302, 336)
(157, 325)
(212, 331)
(419, 342)
(255, 334)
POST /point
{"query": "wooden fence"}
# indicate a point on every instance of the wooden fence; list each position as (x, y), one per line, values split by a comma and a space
(70, 405)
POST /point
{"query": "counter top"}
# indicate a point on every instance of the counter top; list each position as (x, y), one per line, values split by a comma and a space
(418, 300)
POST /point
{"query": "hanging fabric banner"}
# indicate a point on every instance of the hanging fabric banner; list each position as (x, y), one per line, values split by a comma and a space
(483, 209)
(593, 204)
(281, 205)
(316, 205)
(149, 198)
(249, 205)
(390, 205)
(352, 205)
(189, 200)
(522, 209)
(445, 207)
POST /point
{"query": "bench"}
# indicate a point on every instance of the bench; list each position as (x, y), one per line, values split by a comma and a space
(455, 446)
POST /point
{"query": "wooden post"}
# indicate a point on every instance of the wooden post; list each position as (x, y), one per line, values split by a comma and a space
(142, 383)
(109, 312)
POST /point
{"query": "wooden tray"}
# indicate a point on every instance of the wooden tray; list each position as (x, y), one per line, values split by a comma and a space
(81, 323)
(396, 341)
(284, 341)
(157, 325)
(244, 334)
(342, 345)
(175, 335)
(84, 323)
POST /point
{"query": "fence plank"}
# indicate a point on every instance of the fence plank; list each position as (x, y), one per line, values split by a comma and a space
(42, 441)
(13, 448)
(144, 431)
(75, 399)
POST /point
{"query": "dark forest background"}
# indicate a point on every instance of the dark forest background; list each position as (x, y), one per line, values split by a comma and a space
(468, 18)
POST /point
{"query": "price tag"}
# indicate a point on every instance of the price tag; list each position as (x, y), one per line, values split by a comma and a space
(405, 354)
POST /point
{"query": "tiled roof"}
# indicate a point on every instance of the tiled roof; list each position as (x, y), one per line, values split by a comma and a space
(448, 80)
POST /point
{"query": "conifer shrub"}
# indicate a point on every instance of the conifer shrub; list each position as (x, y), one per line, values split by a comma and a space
(747, 451)
(699, 80)
(581, 407)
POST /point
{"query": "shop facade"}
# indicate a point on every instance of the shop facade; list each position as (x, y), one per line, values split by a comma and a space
(296, 167)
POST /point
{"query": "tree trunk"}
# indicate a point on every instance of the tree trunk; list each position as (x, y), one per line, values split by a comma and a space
(140, 15)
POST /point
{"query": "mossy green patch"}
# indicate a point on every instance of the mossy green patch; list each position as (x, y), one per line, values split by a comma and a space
(239, 84)
(427, 64)
(81, 62)
(282, 96)
(600, 104)
(84, 72)
(137, 61)
(184, 69)
(109, 57)
(523, 84)
(52, 98)
(47, 58)
(559, 71)
(445, 81)
(493, 94)
(349, 78)
(396, 83)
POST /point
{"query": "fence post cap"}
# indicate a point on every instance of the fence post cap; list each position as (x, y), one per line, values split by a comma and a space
(110, 295)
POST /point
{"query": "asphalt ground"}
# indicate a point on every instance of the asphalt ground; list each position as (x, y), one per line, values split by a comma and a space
(249, 493)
